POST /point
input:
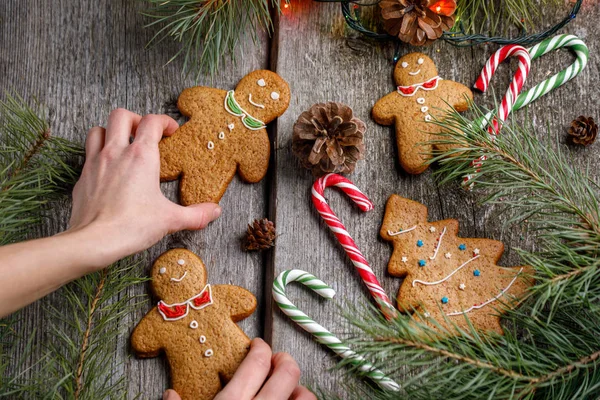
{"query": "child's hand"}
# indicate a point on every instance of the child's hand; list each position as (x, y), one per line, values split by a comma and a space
(262, 375)
(117, 202)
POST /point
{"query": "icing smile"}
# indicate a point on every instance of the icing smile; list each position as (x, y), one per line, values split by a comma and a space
(179, 279)
(414, 73)
(253, 103)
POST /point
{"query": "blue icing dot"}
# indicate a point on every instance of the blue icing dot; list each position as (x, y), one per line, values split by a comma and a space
(422, 263)
(445, 300)
(476, 272)
(462, 247)
(420, 243)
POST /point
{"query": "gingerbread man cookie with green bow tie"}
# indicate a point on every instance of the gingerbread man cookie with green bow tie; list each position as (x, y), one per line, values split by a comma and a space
(194, 324)
(421, 95)
(226, 134)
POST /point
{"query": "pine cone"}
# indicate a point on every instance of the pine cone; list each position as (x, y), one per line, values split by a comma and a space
(328, 139)
(260, 235)
(417, 22)
(583, 131)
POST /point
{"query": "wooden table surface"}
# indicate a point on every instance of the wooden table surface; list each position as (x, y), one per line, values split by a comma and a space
(82, 59)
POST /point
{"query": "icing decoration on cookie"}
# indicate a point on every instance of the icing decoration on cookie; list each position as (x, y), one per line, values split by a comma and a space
(179, 279)
(181, 261)
(421, 100)
(404, 64)
(462, 286)
(438, 244)
(448, 255)
(221, 135)
(432, 229)
(422, 263)
(404, 259)
(476, 251)
(447, 277)
(202, 339)
(232, 107)
(208, 353)
(261, 82)
(408, 91)
(445, 300)
(162, 270)
(428, 118)
(478, 306)
(477, 272)
(176, 311)
(419, 243)
(210, 145)
(194, 324)
(231, 126)
(401, 231)
(254, 103)
(427, 315)
(275, 95)
(462, 247)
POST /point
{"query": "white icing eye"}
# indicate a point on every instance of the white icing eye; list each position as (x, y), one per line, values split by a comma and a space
(221, 135)
(180, 261)
(404, 64)
(162, 270)
(420, 61)
(275, 95)
(210, 145)
(261, 83)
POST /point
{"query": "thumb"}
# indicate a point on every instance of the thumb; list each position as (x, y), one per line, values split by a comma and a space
(196, 216)
(171, 395)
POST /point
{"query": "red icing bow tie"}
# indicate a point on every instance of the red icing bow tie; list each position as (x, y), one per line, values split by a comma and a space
(412, 89)
(173, 312)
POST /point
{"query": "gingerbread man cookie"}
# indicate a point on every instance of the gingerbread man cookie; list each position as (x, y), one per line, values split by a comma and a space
(421, 95)
(448, 278)
(226, 133)
(194, 324)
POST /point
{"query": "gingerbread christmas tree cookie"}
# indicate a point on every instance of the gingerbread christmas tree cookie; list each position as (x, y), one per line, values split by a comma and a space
(447, 277)
(194, 324)
(421, 95)
(226, 133)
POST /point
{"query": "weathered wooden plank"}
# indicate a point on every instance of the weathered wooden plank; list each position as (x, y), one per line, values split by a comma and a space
(83, 60)
(322, 65)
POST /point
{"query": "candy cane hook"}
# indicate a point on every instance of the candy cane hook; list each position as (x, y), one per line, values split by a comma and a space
(336, 226)
(321, 334)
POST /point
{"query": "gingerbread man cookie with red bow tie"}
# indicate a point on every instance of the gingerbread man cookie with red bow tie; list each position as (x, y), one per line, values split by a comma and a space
(421, 95)
(194, 324)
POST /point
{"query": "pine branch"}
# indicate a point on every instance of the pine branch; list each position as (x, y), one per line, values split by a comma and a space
(209, 30)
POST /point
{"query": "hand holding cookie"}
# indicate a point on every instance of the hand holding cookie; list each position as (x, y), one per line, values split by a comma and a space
(118, 198)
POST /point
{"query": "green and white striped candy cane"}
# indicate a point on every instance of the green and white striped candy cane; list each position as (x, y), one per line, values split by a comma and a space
(571, 41)
(321, 334)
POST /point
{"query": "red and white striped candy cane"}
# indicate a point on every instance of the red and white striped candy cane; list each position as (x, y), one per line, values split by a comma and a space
(516, 84)
(336, 226)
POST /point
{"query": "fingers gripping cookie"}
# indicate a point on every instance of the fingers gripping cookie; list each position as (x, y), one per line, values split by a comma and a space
(194, 323)
(226, 133)
(421, 96)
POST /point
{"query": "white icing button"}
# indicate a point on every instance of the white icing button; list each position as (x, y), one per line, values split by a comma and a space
(428, 118)
(180, 261)
(194, 324)
(230, 127)
(421, 100)
(404, 259)
(208, 353)
(221, 135)
(202, 339)
(275, 95)
(404, 64)
(162, 270)
(424, 109)
(261, 82)
(420, 61)
(210, 145)
(462, 286)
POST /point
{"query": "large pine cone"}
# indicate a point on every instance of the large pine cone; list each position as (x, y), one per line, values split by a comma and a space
(583, 131)
(417, 22)
(329, 139)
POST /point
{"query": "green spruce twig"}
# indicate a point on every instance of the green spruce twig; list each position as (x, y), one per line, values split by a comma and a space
(208, 30)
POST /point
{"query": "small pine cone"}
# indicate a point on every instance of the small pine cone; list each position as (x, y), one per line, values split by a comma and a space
(418, 22)
(329, 139)
(583, 131)
(260, 235)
